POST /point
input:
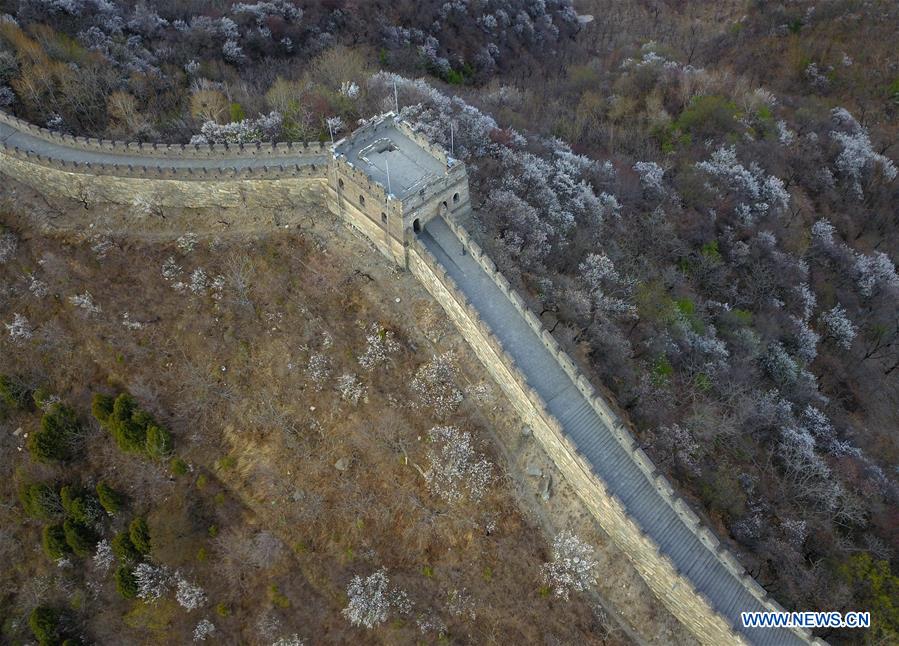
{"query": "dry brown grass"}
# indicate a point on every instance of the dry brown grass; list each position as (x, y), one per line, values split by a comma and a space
(225, 370)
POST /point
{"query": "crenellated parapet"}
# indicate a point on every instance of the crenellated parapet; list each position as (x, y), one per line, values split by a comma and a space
(167, 151)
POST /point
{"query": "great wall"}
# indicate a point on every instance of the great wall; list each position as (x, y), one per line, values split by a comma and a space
(412, 215)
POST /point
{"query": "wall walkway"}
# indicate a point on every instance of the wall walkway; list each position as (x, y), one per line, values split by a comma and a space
(664, 538)
(285, 175)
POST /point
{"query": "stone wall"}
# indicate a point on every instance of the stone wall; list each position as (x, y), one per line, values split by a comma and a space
(179, 151)
(379, 218)
(674, 590)
(269, 186)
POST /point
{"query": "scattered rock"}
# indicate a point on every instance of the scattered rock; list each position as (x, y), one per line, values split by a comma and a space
(547, 483)
(17, 432)
(343, 464)
(526, 431)
(534, 471)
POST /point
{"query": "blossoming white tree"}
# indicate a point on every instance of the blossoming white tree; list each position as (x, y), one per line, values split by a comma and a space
(455, 470)
(371, 599)
(572, 567)
(838, 326)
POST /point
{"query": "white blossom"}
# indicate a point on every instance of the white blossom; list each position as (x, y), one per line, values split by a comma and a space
(198, 280)
(650, 176)
(780, 365)
(86, 302)
(20, 329)
(784, 135)
(680, 444)
(875, 270)
(290, 640)
(129, 323)
(153, 581)
(189, 596)
(815, 77)
(609, 205)
(350, 388)
(103, 556)
(318, 369)
(265, 128)
(263, 10)
(455, 471)
(763, 191)
(335, 124)
(598, 271)
(806, 340)
(349, 89)
(380, 344)
(187, 242)
(822, 233)
(460, 603)
(233, 52)
(807, 300)
(434, 383)
(857, 155)
(837, 324)
(572, 566)
(371, 599)
(9, 242)
(37, 287)
(203, 630)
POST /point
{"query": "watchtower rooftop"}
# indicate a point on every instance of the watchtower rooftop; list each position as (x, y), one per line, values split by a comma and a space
(389, 156)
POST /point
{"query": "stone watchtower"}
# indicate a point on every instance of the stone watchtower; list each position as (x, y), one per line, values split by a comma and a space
(388, 182)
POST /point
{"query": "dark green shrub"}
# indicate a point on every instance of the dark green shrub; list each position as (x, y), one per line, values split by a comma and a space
(80, 537)
(14, 394)
(79, 504)
(123, 406)
(708, 116)
(123, 548)
(110, 499)
(878, 589)
(139, 532)
(54, 542)
(125, 582)
(40, 501)
(143, 419)
(66, 494)
(44, 624)
(59, 435)
(178, 467)
(101, 407)
(130, 436)
(41, 397)
(127, 425)
(159, 443)
(133, 429)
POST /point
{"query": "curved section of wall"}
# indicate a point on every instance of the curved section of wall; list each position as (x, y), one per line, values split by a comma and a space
(9, 125)
(94, 170)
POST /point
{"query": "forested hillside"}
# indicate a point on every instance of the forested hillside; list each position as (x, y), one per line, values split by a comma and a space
(700, 198)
